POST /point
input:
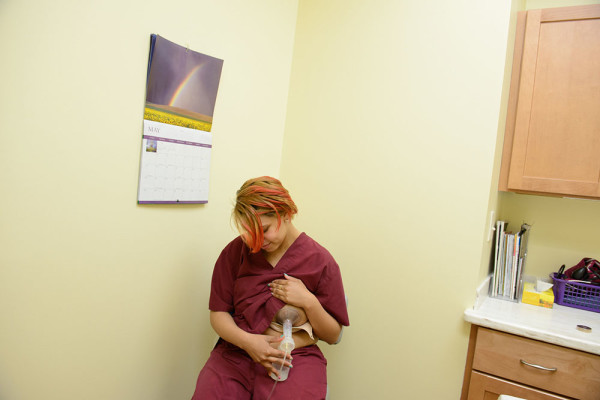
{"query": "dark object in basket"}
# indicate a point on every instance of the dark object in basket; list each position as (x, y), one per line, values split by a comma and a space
(588, 269)
(576, 294)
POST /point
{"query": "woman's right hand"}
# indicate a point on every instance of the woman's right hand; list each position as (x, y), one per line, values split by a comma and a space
(263, 349)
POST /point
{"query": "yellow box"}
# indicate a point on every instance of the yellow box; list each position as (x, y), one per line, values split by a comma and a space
(542, 299)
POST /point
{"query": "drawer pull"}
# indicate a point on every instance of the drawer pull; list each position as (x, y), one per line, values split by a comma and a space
(539, 366)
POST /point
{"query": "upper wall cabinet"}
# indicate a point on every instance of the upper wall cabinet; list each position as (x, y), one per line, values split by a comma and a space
(552, 138)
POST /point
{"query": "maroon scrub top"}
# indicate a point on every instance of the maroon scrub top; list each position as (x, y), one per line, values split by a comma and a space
(240, 278)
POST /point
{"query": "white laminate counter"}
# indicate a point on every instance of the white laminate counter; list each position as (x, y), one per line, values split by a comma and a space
(557, 325)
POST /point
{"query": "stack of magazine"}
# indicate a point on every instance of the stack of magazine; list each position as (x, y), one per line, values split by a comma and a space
(510, 251)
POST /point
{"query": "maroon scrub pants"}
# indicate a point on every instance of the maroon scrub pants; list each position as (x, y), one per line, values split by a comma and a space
(230, 374)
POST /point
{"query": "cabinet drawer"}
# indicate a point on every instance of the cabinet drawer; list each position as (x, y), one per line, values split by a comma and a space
(571, 373)
(488, 387)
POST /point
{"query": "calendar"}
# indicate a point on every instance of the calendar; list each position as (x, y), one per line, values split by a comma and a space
(175, 164)
(177, 140)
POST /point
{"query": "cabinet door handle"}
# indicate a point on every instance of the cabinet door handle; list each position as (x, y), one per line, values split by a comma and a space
(539, 366)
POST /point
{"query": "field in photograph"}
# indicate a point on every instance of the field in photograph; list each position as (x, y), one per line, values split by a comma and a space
(173, 116)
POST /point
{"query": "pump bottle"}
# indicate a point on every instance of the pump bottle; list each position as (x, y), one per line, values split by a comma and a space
(286, 345)
(287, 316)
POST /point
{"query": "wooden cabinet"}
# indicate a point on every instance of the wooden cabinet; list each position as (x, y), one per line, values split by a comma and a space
(552, 137)
(501, 363)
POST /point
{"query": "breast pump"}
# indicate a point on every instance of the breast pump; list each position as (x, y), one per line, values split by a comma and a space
(287, 316)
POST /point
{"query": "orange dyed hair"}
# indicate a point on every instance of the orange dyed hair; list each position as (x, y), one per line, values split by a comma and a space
(260, 196)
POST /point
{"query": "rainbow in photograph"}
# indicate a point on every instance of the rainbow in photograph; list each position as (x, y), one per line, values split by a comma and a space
(183, 84)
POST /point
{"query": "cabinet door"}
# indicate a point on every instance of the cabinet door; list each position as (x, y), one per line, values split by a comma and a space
(488, 387)
(556, 144)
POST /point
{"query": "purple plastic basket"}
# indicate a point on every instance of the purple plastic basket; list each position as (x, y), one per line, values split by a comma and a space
(576, 294)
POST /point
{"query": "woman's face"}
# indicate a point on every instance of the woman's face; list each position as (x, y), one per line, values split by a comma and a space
(273, 236)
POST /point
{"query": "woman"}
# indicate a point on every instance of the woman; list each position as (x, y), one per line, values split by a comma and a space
(271, 266)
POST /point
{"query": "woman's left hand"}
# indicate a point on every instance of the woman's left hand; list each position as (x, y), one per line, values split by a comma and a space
(291, 291)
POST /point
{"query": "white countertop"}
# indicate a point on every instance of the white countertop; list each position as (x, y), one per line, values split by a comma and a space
(557, 325)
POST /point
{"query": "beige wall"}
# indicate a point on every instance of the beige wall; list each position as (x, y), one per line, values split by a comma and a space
(100, 298)
(564, 230)
(389, 151)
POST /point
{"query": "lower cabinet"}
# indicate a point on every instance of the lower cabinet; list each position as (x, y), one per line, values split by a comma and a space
(489, 387)
(501, 363)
